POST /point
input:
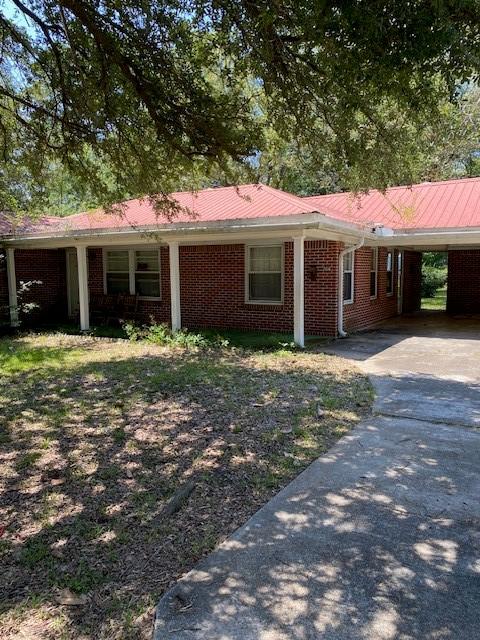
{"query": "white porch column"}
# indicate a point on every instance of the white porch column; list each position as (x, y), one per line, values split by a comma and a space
(175, 286)
(12, 287)
(83, 288)
(298, 291)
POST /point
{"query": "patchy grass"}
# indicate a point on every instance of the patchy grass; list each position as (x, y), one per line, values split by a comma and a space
(438, 302)
(96, 436)
(256, 340)
(252, 339)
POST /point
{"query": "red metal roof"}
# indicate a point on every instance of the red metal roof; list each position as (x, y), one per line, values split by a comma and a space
(207, 205)
(11, 224)
(429, 205)
(450, 204)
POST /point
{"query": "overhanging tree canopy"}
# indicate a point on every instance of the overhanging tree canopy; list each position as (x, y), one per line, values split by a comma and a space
(128, 96)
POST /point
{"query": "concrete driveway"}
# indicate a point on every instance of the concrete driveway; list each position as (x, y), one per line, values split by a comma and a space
(426, 368)
(379, 539)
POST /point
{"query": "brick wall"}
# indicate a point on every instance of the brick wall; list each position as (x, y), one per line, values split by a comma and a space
(412, 282)
(4, 314)
(321, 277)
(48, 266)
(463, 288)
(365, 311)
(212, 289)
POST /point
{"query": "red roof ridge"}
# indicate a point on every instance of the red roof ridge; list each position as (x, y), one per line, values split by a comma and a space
(283, 195)
(228, 186)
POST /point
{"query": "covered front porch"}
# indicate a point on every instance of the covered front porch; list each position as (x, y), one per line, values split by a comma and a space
(87, 279)
(254, 279)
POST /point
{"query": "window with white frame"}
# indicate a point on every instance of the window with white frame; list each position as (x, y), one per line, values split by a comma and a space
(264, 273)
(389, 272)
(132, 271)
(117, 271)
(147, 273)
(348, 264)
(374, 273)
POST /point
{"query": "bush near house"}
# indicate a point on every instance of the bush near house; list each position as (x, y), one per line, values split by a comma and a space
(433, 278)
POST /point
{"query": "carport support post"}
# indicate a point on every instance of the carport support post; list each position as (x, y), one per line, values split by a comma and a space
(83, 288)
(175, 286)
(299, 290)
(12, 287)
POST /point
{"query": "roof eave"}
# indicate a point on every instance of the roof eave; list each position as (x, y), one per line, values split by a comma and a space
(313, 219)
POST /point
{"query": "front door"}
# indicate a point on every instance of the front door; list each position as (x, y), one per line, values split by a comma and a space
(400, 282)
(72, 284)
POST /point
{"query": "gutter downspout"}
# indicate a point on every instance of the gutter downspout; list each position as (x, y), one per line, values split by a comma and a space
(343, 253)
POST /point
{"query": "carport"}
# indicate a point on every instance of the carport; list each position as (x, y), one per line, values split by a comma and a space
(431, 216)
(463, 268)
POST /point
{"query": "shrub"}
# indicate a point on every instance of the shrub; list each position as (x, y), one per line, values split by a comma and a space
(158, 334)
(161, 334)
(134, 331)
(432, 279)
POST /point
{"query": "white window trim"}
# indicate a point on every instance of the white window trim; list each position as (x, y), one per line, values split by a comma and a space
(375, 251)
(352, 297)
(390, 293)
(247, 272)
(131, 267)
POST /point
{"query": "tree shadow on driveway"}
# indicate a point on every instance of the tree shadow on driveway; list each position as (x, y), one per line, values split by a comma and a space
(378, 539)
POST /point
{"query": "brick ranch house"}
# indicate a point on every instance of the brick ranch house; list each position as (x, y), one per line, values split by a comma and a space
(250, 257)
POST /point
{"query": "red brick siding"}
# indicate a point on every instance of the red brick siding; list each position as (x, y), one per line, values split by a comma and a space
(463, 290)
(364, 311)
(95, 271)
(4, 315)
(412, 282)
(48, 266)
(212, 290)
(321, 277)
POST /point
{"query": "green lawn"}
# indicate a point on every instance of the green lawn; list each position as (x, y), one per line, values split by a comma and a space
(97, 435)
(439, 302)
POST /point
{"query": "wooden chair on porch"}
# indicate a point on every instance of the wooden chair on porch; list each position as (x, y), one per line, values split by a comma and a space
(127, 306)
(101, 307)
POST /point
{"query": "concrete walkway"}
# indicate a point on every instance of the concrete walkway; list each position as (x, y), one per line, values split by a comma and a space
(379, 539)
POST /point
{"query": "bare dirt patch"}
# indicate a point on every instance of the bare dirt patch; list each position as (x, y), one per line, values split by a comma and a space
(98, 439)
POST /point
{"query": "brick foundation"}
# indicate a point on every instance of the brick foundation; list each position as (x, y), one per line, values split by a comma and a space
(463, 287)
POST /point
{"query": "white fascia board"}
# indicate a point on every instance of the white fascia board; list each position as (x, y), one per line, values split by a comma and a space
(422, 238)
(314, 225)
(173, 227)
